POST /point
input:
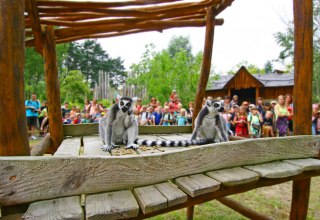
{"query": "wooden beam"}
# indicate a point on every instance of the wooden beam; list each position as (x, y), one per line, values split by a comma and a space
(13, 124)
(61, 176)
(243, 210)
(303, 66)
(206, 62)
(52, 89)
(31, 7)
(101, 4)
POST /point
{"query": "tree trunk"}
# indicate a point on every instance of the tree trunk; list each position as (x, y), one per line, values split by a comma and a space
(13, 125)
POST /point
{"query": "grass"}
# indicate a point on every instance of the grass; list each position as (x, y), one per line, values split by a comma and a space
(273, 201)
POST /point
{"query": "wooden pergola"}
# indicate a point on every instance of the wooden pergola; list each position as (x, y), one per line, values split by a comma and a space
(42, 24)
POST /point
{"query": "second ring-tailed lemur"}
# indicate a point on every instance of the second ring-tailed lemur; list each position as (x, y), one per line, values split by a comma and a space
(119, 125)
(210, 127)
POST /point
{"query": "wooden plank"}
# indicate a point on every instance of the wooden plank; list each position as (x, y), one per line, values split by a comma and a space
(90, 129)
(197, 184)
(63, 208)
(14, 136)
(150, 199)
(234, 176)
(92, 146)
(81, 129)
(65, 176)
(111, 205)
(173, 194)
(69, 146)
(275, 169)
(306, 164)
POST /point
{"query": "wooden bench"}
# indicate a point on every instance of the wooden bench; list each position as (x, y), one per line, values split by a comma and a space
(81, 181)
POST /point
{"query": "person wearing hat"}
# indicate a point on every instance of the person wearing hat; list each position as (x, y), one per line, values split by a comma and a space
(254, 122)
(235, 100)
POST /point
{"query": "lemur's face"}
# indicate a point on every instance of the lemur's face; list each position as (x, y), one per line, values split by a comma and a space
(214, 106)
(125, 104)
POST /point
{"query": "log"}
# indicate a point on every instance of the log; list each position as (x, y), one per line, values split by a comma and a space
(13, 129)
(303, 66)
(41, 149)
(31, 7)
(206, 62)
(66, 176)
(238, 207)
(52, 89)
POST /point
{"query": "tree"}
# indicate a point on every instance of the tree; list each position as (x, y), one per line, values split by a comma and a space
(89, 58)
(179, 43)
(161, 72)
(286, 41)
(34, 70)
(268, 67)
(74, 87)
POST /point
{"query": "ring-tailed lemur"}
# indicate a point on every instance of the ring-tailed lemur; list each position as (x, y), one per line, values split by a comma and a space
(210, 127)
(119, 125)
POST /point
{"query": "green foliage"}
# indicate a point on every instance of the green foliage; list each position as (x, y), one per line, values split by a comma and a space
(34, 70)
(178, 43)
(268, 67)
(89, 58)
(161, 72)
(105, 103)
(73, 87)
(286, 41)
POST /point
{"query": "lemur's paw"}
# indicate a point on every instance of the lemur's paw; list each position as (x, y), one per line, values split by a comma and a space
(115, 146)
(133, 146)
(106, 148)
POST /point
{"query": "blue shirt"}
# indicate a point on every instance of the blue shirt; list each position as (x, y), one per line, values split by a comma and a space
(32, 112)
(182, 120)
(157, 118)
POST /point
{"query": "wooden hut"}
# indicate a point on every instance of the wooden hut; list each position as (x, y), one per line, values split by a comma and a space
(251, 86)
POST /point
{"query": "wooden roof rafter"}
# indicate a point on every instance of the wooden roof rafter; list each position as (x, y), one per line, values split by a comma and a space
(82, 20)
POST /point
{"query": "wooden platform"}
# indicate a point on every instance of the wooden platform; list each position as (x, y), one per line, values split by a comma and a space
(81, 181)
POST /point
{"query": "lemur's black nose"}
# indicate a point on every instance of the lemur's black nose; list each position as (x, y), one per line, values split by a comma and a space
(124, 109)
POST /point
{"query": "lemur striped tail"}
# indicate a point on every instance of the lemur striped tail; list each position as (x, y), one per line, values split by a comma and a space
(178, 143)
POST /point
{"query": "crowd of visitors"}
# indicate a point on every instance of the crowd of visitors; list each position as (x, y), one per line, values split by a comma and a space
(265, 118)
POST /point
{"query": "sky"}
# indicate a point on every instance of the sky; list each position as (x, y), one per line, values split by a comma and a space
(246, 35)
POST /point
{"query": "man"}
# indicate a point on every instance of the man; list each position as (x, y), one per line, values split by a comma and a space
(32, 111)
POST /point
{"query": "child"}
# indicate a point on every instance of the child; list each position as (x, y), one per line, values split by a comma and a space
(144, 115)
(226, 115)
(254, 120)
(87, 119)
(267, 125)
(77, 119)
(182, 118)
(240, 121)
(167, 117)
(157, 116)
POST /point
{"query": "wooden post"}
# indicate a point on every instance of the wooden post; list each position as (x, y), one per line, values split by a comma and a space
(52, 88)
(190, 211)
(206, 62)
(303, 60)
(13, 124)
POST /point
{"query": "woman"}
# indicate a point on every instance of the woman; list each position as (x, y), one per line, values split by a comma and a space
(282, 114)
(289, 106)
